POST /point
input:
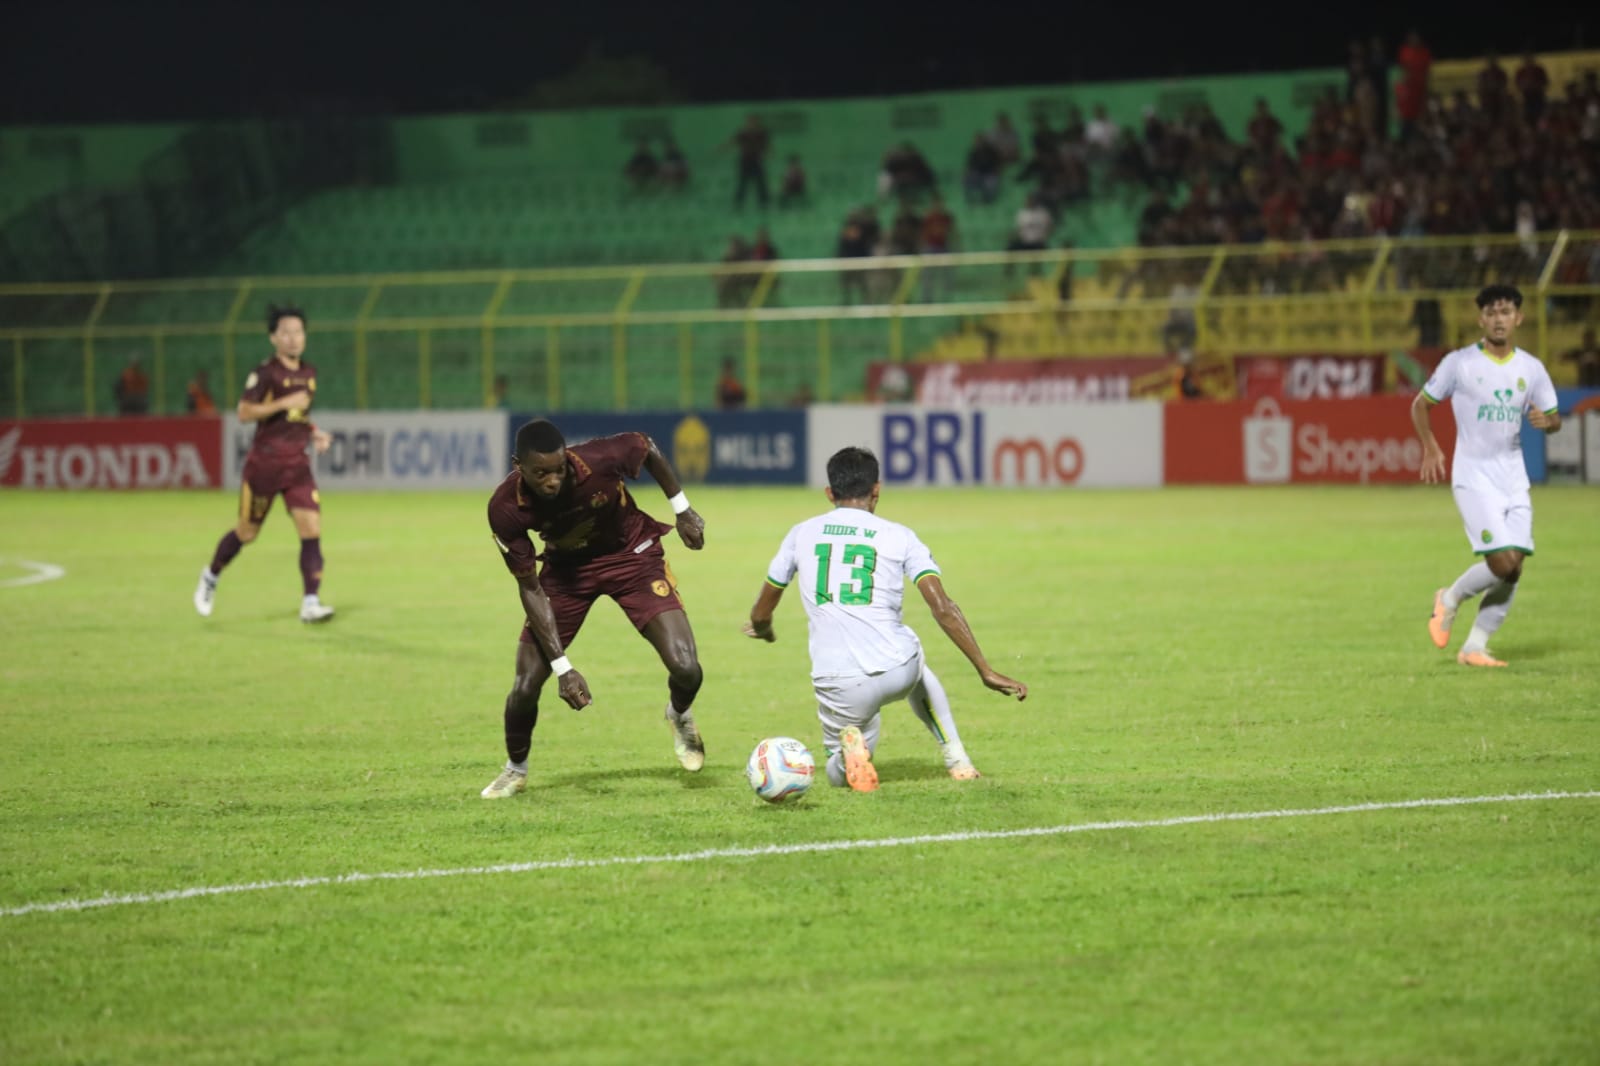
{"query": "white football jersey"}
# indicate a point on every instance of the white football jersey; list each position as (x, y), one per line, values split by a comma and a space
(1489, 397)
(851, 570)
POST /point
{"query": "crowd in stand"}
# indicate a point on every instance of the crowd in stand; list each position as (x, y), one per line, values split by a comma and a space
(1515, 158)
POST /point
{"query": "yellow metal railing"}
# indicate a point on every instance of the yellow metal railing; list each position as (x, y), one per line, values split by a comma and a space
(656, 335)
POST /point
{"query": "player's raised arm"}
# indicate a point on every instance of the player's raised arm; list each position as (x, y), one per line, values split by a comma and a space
(954, 624)
(691, 527)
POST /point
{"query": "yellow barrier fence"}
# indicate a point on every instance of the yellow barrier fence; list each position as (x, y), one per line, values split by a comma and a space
(658, 336)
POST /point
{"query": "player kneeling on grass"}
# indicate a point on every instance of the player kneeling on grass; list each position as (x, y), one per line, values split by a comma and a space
(597, 542)
(1493, 387)
(853, 570)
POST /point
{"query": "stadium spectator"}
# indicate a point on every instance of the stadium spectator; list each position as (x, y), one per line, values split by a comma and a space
(1411, 94)
(1533, 83)
(1101, 133)
(499, 397)
(734, 286)
(132, 389)
(1378, 76)
(905, 173)
(762, 249)
(1587, 358)
(1493, 85)
(674, 174)
(197, 398)
(1264, 130)
(751, 141)
(793, 190)
(730, 390)
(858, 238)
(1033, 225)
(1004, 138)
(937, 237)
(982, 178)
(642, 168)
(1428, 318)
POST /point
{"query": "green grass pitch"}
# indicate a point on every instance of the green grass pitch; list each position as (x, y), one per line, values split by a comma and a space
(1190, 652)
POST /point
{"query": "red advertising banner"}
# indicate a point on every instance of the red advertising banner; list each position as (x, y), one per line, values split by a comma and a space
(126, 453)
(1309, 377)
(1270, 442)
(1019, 381)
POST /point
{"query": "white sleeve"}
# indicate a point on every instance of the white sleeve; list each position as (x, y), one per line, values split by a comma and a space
(1542, 391)
(782, 568)
(919, 560)
(1443, 381)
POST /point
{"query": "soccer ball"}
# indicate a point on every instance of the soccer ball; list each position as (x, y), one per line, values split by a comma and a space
(780, 769)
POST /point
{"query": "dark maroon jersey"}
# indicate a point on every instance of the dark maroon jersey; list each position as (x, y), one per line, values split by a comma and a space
(284, 435)
(593, 515)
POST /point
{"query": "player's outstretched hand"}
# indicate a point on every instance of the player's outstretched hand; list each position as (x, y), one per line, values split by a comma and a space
(1007, 685)
(321, 440)
(692, 529)
(299, 400)
(1539, 420)
(1433, 465)
(759, 632)
(575, 690)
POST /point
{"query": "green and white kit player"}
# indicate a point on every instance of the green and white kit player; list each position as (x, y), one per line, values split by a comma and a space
(1493, 388)
(851, 569)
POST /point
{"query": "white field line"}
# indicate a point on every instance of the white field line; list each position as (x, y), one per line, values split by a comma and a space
(42, 572)
(171, 895)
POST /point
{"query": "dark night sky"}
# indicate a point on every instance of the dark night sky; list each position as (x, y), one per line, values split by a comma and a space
(95, 61)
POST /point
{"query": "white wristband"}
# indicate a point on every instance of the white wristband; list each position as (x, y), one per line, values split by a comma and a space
(680, 503)
(561, 666)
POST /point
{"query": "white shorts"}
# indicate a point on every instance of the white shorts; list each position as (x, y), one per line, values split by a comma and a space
(846, 701)
(1494, 521)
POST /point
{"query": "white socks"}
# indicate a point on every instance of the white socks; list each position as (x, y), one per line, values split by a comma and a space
(1477, 578)
(932, 707)
(519, 767)
(1496, 605)
(310, 601)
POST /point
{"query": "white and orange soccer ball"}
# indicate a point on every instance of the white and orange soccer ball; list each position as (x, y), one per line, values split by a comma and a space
(780, 769)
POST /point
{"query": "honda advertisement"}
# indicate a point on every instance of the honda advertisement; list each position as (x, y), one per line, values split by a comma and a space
(1265, 442)
(1058, 446)
(128, 453)
(397, 449)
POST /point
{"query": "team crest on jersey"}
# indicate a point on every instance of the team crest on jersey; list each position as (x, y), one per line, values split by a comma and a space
(1522, 386)
(661, 588)
(597, 500)
(250, 382)
(1487, 536)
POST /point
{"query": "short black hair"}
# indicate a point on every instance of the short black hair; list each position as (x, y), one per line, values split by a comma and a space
(276, 313)
(1493, 294)
(539, 436)
(851, 473)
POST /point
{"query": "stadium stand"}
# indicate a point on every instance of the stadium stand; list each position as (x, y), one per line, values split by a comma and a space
(1184, 170)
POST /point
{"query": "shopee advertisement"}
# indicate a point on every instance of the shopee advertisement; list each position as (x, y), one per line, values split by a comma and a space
(111, 453)
(1088, 444)
(1265, 442)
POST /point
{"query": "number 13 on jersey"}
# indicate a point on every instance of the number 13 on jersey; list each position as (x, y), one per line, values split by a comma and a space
(854, 591)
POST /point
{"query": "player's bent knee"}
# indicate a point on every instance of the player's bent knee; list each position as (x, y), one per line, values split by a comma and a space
(686, 674)
(246, 532)
(525, 691)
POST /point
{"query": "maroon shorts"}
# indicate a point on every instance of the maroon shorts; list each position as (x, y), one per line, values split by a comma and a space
(642, 584)
(264, 479)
